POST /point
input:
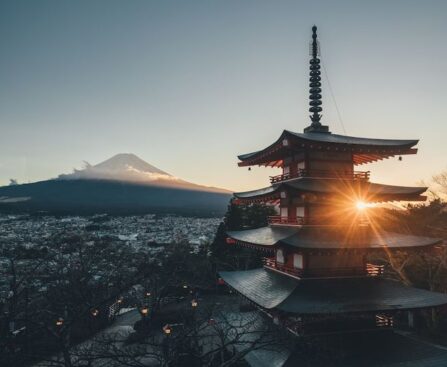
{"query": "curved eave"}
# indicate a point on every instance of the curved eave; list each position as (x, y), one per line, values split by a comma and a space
(364, 150)
(354, 141)
(371, 192)
(265, 236)
(354, 295)
(271, 290)
(264, 288)
(330, 238)
(269, 156)
(254, 194)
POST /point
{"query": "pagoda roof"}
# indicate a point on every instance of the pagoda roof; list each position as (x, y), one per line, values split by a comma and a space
(365, 149)
(353, 140)
(369, 348)
(330, 237)
(368, 190)
(272, 290)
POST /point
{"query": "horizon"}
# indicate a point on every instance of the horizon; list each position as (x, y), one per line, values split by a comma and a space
(86, 81)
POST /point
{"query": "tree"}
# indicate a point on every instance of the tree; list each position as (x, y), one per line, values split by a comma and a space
(65, 296)
(427, 267)
(238, 217)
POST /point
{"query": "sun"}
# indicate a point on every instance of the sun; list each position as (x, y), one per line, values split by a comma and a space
(361, 205)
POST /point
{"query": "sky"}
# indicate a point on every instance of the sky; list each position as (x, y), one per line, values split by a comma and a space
(189, 85)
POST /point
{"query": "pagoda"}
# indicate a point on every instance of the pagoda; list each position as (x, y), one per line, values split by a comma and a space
(316, 277)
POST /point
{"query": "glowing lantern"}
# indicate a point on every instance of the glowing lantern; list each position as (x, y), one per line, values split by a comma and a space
(144, 311)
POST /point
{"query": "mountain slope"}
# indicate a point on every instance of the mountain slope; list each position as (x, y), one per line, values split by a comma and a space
(122, 184)
(128, 167)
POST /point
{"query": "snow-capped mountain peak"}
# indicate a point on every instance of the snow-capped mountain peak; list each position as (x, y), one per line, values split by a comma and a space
(127, 161)
(121, 167)
(127, 167)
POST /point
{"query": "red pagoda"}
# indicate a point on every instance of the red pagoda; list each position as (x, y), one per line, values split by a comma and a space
(316, 277)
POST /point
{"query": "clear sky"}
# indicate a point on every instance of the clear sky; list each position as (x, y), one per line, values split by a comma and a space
(188, 85)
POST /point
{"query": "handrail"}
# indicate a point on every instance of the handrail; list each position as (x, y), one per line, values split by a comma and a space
(373, 270)
(347, 175)
(277, 219)
(370, 270)
(273, 264)
(300, 221)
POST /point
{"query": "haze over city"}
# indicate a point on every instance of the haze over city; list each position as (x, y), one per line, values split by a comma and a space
(188, 85)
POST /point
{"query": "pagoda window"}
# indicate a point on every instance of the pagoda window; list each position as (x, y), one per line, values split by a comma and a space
(286, 170)
(300, 211)
(301, 165)
(280, 256)
(297, 261)
(284, 212)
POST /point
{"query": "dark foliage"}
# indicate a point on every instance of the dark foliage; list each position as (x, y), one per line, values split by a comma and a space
(238, 217)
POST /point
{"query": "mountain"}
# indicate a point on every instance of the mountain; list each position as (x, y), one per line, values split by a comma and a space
(122, 184)
(127, 167)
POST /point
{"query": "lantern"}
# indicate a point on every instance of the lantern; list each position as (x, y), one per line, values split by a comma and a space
(167, 329)
(144, 311)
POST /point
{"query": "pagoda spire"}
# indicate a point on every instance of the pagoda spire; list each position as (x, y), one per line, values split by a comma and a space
(315, 86)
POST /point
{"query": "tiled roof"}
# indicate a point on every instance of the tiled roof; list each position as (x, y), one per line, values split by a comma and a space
(262, 287)
(330, 237)
(271, 290)
(380, 348)
(353, 140)
(334, 139)
(332, 185)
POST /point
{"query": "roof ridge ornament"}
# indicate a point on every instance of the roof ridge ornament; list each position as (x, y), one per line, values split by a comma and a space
(315, 87)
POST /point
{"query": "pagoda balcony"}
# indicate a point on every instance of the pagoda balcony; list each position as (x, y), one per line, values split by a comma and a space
(301, 221)
(369, 270)
(271, 263)
(293, 221)
(355, 175)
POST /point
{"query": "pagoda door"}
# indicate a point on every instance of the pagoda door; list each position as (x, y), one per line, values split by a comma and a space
(300, 166)
(300, 211)
(298, 261)
(280, 256)
(284, 212)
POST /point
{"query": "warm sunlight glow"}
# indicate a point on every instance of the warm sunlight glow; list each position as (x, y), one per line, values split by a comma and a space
(361, 205)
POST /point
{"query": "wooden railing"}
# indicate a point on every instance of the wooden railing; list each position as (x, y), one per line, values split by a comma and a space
(374, 270)
(300, 221)
(273, 264)
(277, 219)
(354, 175)
(384, 321)
(368, 270)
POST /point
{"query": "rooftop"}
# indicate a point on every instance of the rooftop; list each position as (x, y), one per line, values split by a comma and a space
(364, 150)
(337, 237)
(271, 290)
(363, 189)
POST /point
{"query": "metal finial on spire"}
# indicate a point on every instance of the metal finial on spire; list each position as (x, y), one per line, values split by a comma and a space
(315, 81)
(315, 87)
